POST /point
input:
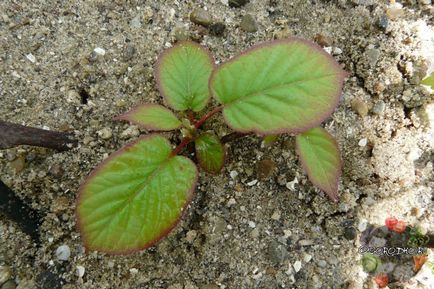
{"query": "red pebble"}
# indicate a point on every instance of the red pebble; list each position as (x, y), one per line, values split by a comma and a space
(391, 223)
(382, 280)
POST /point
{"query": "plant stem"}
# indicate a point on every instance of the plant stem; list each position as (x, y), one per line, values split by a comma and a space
(204, 118)
(186, 140)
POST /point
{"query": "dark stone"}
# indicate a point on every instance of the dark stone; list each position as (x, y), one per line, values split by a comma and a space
(217, 29)
(237, 3)
(350, 233)
(201, 17)
(49, 280)
(248, 23)
(383, 22)
(129, 52)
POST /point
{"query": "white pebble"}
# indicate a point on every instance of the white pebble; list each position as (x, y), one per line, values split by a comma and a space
(134, 271)
(31, 57)
(291, 185)
(233, 174)
(363, 224)
(231, 202)
(99, 51)
(252, 183)
(252, 224)
(80, 271)
(297, 266)
(337, 51)
(63, 253)
(363, 142)
(328, 49)
(307, 258)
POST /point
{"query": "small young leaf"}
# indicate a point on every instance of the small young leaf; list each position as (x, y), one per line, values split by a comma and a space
(283, 86)
(135, 197)
(182, 74)
(210, 152)
(429, 81)
(152, 117)
(319, 155)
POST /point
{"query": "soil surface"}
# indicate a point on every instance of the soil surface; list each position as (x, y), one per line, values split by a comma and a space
(74, 65)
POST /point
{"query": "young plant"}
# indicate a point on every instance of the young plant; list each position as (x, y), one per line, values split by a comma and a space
(137, 195)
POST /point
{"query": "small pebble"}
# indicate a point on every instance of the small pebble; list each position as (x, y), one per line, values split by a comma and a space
(99, 51)
(105, 133)
(252, 183)
(129, 52)
(350, 233)
(372, 55)
(201, 17)
(56, 171)
(291, 185)
(63, 252)
(276, 215)
(383, 22)
(323, 40)
(231, 202)
(307, 258)
(297, 266)
(363, 224)
(395, 11)
(31, 58)
(305, 242)
(5, 274)
(10, 284)
(130, 132)
(134, 271)
(248, 23)
(233, 174)
(190, 236)
(237, 3)
(217, 29)
(322, 263)
(252, 224)
(80, 271)
(136, 22)
(277, 253)
(181, 33)
(18, 164)
(360, 107)
(363, 142)
(337, 51)
(379, 107)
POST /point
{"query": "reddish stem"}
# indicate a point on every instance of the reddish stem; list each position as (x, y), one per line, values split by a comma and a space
(186, 140)
(204, 118)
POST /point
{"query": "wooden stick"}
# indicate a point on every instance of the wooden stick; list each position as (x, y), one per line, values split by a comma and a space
(12, 134)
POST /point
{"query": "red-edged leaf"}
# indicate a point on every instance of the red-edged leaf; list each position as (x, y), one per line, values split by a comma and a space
(135, 197)
(319, 154)
(152, 116)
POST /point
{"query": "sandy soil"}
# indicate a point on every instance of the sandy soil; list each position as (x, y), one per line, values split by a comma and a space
(235, 235)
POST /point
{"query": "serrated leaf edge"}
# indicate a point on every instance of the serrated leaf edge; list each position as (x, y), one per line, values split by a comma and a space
(95, 172)
(343, 74)
(332, 194)
(157, 66)
(125, 117)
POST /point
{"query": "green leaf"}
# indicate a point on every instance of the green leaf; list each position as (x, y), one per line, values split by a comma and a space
(319, 155)
(282, 86)
(429, 80)
(152, 117)
(135, 197)
(182, 73)
(210, 152)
